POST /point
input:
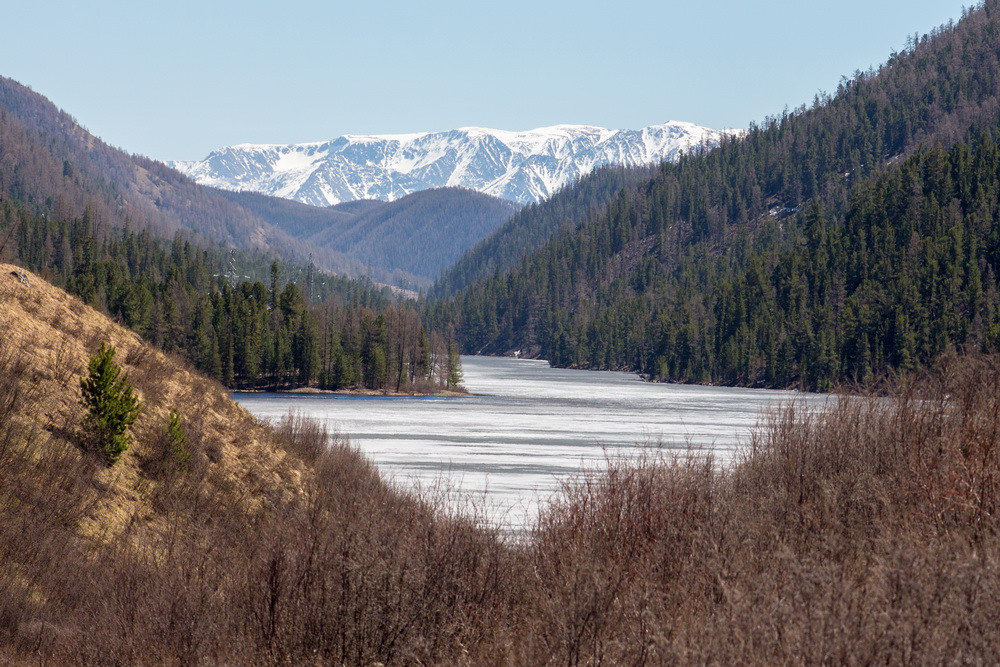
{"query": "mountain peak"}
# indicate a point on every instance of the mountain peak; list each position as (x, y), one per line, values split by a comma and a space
(524, 166)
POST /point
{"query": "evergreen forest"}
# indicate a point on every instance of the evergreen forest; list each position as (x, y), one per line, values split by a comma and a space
(239, 317)
(834, 243)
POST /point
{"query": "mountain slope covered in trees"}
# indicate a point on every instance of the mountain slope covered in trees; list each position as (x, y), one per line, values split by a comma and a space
(407, 242)
(421, 234)
(50, 162)
(272, 328)
(535, 224)
(830, 243)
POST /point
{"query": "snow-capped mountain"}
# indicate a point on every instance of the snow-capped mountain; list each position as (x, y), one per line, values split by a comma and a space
(520, 166)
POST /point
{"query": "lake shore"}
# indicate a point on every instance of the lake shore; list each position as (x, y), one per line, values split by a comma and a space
(529, 427)
(462, 391)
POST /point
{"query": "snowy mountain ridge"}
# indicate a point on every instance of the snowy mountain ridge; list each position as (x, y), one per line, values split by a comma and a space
(525, 166)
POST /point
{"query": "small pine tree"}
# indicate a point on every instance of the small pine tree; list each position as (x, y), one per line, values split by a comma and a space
(111, 403)
(454, 367)
(424, 356)
(177, 442)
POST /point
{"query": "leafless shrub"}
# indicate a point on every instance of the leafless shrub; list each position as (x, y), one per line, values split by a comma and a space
(140, 358)
(17, 396)
(65, 369)
(308, 438)
(76, 306)
(31, 302)
(163, 457)
(96, 337)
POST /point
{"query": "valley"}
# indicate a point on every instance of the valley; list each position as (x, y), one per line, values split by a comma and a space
(526, 428)
(568, 395)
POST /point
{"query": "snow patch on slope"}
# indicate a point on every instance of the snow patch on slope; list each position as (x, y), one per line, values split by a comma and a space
(525, 166)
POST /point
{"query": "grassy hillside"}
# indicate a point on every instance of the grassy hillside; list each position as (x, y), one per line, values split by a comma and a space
(866, 534)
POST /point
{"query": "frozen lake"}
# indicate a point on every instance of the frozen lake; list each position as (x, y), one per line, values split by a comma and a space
(527, 426)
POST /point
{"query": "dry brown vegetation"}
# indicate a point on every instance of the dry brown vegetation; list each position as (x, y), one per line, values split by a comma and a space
(267, 546)
(864, 534)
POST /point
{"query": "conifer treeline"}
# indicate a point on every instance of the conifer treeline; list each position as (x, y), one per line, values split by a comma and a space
(811, 299)
(313, 330)
(535, 224)
(822, 246)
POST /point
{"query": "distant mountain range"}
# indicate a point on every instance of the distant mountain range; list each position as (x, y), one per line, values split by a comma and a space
(525, 167)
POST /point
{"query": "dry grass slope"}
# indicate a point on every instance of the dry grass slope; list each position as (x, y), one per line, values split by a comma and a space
(53, 334)
(243, 554)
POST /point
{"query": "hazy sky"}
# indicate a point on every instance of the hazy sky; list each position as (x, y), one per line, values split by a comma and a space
(177, 79)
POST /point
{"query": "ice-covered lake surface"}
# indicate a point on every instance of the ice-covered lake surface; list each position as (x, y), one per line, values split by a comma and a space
(526, 427)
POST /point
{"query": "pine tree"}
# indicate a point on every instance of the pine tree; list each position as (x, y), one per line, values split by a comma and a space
(112, 404)
(454, 367)
(176, 441)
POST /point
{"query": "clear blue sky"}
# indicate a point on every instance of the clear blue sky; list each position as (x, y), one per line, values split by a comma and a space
(177, 79)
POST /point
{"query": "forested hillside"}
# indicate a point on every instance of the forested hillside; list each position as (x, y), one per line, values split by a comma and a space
(419, 235)
(295, 219)
(830, 243)
(240, 318)
(535, 224)
(49, 162)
